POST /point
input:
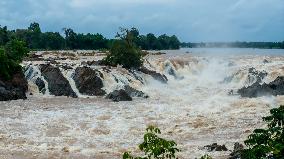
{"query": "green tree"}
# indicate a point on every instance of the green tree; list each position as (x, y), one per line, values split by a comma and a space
(269, 142)
(3, 35)
(70, 38)
(124, 51)
(155, 147)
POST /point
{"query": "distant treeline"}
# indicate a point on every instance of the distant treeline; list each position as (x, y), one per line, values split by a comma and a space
(38, 40)
(261, 45)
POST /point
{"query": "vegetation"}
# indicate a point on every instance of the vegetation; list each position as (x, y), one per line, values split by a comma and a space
(155, 147)
(11, 56)
(269, 142)
(206, 157)
(38, 40)
(261, 45)
(124, 51)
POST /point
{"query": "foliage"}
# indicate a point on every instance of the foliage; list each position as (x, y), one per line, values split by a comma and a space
(206, 157)
(269, 142)
(124, 52)
(155, 147)
(11, 57)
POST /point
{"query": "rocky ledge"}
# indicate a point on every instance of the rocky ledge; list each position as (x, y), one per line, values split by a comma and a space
(13, 89)
(274, 88)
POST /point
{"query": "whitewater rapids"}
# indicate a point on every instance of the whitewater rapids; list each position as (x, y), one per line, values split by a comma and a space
(194, 108)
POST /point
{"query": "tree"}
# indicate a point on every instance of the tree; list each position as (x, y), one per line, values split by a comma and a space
(124, 51)
(269, 142)
(3, 35)
(70, 38)
(155, 147)
(34, 32)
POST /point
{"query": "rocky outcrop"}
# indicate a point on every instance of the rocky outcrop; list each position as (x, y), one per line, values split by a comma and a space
(157, 76)
(119, 95)
(41, 85)
(255, 76)
(13, 89)
(88, 81)
(274, 88)
(134, 93)
(216, 147)
(236, 154)
(58, 85)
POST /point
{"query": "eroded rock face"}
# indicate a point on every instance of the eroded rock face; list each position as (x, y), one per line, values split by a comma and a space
(157, 76)
(13, 89)
(88, 81)
(274, 88)
(216, 147)
(236, 154)
(255, 76)
(119, 95)
(58, 85)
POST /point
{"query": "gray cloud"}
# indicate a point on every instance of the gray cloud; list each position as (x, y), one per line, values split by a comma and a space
(191, 20)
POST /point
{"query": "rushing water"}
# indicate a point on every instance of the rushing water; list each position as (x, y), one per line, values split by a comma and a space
(194, 108)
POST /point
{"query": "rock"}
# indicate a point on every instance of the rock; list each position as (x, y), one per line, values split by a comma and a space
(15, 88)
(265, 61)
(274, 88)
(58, 85)
(119, 95)
(216, 147)
(88, 81)
(157, 76)
(41, 85)
(134, 93)
(236, 154)
(255, 76)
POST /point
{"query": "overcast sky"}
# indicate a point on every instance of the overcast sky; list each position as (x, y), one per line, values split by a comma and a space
(190, 20)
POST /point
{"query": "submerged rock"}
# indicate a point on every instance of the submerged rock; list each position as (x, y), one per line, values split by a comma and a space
(134, 93)
(255, 76)
(274, 88)
(157, 76)
(88, 81)
(216, 147)
(119, 95)
(13, 89)
(58, 85)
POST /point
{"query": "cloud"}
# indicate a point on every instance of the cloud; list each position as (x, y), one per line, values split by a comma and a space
(191, 20)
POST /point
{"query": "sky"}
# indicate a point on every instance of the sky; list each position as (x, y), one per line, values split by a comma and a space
(190, 20)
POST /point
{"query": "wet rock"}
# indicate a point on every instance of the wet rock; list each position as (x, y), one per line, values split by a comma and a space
(274, 88)
(41, 85)
(157, 76)
(216, 147)
(134, 93)
(88, 81)
(265, 61)
(119, 95)
(58, 85)
(236, 154)
(255, 76)
(13, 89)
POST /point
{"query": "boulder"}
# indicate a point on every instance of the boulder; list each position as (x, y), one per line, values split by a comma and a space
(88, 81)
(58, 85)
(134, 93)
(13, 89)
(236, 154)
(119, 95)
(41, 85)
(216, 147)
(157, 76)
(274, 88)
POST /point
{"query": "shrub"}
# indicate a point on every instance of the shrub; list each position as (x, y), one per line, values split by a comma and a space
(124, 52)
(11, 57)
(155, 147)
(269, 142)
(206, 157)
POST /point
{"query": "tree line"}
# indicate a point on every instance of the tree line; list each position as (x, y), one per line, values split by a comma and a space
(260, 45)
(38, 40)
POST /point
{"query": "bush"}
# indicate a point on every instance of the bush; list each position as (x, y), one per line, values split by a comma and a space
(11, 57)
(124, 52)
(155, 147)
(269, 142)
(206, 157)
